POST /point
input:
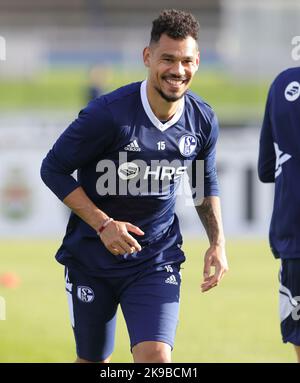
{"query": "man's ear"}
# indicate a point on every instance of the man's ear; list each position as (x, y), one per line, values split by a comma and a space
(198, 60)
(146, 56)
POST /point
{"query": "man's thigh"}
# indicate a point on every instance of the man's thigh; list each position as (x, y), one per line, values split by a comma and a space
(93, 307)
(150, 305)
(289, 299)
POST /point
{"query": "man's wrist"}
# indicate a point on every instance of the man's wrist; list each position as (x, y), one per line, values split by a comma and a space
(104, 225)
(218, 243)
(99, 218)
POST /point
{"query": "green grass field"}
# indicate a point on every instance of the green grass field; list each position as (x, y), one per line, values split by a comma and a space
(234, 99)
(235, 322)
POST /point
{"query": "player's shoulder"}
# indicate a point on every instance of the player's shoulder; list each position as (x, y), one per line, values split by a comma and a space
(289, 74)
(122, 93)
(285, 81)
(103, 104)
(196, 103)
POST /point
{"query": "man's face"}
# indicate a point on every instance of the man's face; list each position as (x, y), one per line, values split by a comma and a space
(172, 65)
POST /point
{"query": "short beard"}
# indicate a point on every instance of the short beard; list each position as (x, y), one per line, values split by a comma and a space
(169, 98)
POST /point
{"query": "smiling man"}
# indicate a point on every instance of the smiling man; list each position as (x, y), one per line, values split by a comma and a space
(123, 243)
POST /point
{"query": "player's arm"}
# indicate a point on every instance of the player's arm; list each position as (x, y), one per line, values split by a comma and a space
(82, 141)
(115, 237)
(210, 214)
(267, 156)
(209, 211)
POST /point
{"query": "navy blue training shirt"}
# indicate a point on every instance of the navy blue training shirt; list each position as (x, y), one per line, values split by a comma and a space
(279, 161)
(129, 164)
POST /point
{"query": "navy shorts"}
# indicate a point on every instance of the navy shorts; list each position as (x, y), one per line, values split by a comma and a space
(149, 301)
(289, 300)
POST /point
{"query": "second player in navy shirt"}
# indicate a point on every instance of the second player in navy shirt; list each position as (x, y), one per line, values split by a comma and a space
(279, 157)
(279, 163)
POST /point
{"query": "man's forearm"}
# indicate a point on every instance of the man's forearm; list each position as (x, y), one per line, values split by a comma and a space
(81, 205)
(210, 214)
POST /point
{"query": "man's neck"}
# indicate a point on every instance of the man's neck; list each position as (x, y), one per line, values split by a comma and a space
(162, 109)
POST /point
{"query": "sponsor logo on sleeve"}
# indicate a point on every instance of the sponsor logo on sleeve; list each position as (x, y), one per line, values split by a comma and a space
(292, 91)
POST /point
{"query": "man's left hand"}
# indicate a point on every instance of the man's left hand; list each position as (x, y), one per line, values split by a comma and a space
(215, 257)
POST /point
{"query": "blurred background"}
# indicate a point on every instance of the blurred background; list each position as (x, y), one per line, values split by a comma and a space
(57, 55)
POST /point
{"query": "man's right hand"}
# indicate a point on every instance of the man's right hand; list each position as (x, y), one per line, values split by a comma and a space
(114, 236)
(118, 241)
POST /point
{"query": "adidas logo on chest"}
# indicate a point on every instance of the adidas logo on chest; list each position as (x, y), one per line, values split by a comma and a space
(133, 147)
(171, 280)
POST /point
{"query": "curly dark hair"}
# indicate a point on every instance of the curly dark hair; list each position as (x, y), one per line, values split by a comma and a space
(176, 24)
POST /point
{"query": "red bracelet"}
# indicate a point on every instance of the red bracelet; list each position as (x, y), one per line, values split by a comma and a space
(106, 222)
